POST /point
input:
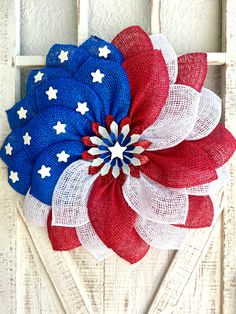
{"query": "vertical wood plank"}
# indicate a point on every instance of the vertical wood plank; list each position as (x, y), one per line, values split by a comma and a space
(229, 216)
(82, 20)
(155, 17)
(184, 267)
(8, 213)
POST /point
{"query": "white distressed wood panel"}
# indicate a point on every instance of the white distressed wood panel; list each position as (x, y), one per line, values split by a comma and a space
(8, 212)
(74, 282)
(35, 291)
(228, 305)
(203, 293)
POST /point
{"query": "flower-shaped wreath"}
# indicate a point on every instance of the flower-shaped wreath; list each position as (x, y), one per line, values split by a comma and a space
(118, 146)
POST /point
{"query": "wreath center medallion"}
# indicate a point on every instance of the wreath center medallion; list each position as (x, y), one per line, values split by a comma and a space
(114, 148)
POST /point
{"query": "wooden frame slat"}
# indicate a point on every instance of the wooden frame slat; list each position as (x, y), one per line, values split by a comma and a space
(155, 17)
(213, 58)
(82, 20)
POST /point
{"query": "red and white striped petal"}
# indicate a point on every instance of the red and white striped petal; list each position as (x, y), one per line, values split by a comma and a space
(35, 211)
(211, 187)
(114, 128)
(103, 132)
(176, 120)
(92, 243)
(95, 151)
(105, 169)
(96, 140)
(160, 42)
(161, 236)
(156, 202)
(209, 114)
(70, 196)
(125, 130)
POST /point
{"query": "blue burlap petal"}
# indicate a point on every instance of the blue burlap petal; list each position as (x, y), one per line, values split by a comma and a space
(48, 74)
(23, 165)
(93, 44)
(43, 189)
(114, 90)
(43, 137)
(27, 103)
(70, 93)
(78, 101)
(78, 55)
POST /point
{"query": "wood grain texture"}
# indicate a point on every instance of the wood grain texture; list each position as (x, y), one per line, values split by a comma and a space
(199, 279)
(229, 216)
(60, 268)
(8, 211)
(184, 265)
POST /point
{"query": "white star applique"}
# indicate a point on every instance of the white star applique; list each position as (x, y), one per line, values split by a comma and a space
(82, 107)
(62, 156)
(117, 151)
(27, 139)
(104, 51)
(38, 77)
(97, 76)
(44, 172)
(14, 176)
(59, 127)
(8, 149)
(63, 56)
(52, 93)
(22, 113)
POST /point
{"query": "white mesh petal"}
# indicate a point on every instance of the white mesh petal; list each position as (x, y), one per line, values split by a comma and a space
(209, 114)
(161, 236)
(92, 243)
(155, 202)
(160, 42)
(35, 211)
(176, 120)
(211, 187)
(70, 196)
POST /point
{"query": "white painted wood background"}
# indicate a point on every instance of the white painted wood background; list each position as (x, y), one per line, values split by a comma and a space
(33, 279)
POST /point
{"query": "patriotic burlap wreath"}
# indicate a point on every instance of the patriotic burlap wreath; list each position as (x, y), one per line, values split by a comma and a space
(118, 146)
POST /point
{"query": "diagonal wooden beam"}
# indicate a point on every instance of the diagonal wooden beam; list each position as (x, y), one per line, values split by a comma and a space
(183, 266)
(60, 269)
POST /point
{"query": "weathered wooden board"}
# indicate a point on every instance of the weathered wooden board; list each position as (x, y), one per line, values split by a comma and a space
(228, 298)
(34, 279)
(8, 210)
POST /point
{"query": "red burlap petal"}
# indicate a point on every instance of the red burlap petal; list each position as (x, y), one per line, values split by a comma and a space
(62, 238)
(184, 165)
(132, 41)
(192, 70)
(219, 145)
(149, 85)
(113, 220)
(200, 214)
